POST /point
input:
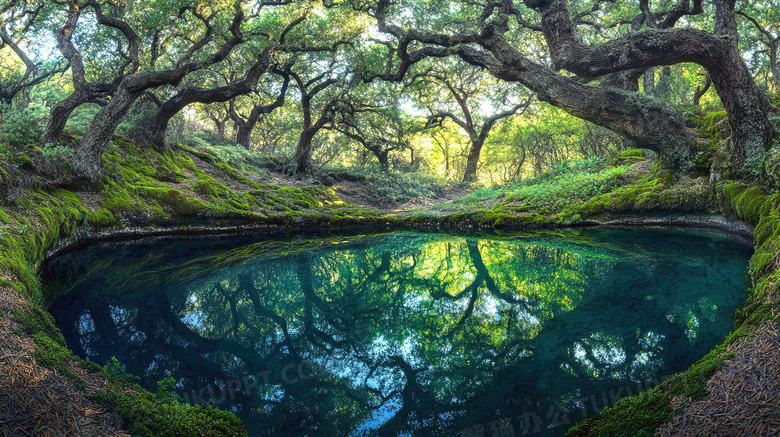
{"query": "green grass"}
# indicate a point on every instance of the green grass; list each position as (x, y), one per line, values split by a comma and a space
(553, 191)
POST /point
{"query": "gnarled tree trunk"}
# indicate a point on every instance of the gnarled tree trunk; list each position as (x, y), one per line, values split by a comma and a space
(101, 131)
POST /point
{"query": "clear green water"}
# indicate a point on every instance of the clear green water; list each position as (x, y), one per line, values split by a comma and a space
(404, 333)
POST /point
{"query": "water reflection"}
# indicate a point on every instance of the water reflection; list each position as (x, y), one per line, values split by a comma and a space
(402, 333)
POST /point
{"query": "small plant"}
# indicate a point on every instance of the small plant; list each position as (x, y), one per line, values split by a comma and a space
(116, 369)
(52, 159)
(166, 387)
(20, 127)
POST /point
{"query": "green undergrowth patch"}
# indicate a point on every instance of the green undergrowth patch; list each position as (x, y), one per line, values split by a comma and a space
(140, 412)
(146, 414)
(571, 183)
(390, 187)
(51, 350)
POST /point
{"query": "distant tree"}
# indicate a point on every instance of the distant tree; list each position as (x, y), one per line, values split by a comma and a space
(470, 90)
(245, 124)
(765, 19)
(315, 81)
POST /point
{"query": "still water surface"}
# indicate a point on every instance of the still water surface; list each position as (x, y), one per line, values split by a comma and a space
(403, 333)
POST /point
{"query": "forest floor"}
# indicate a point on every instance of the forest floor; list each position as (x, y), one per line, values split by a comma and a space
(38, 401)
(743, 397)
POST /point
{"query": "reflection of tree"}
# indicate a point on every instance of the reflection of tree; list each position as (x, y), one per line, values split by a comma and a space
(435, 331)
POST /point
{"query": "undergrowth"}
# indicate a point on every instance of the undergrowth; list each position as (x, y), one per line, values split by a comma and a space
(570, 183)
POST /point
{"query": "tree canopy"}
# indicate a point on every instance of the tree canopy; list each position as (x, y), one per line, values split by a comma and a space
(443, 86)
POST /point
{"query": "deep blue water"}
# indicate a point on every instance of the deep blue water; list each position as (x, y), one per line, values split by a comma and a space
(404, 333)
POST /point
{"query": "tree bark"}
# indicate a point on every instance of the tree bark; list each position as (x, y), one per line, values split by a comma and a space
(648, 124)
(245, 127)
(101, 131)
(184, 98)
(700, 91)
(470, 174)
(58, 118)
(302, 159)
(648, 82)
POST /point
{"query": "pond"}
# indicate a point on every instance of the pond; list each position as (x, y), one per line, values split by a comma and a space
(403, 333)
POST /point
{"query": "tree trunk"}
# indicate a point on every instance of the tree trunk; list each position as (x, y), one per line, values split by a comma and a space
(717, 52)
(773, 62)
(244, 135)
(59, 115)
(186, 97)
(100, 132)
(648, 123)
(470, 175)
(302, 160)
(382, 156)
(700, 91)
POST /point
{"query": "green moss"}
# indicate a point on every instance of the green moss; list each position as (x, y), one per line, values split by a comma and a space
(631, 156)
(118, 200)
(101, 218)
(37, 321)
(640, 415)
(54, 356)
(158, 214)
(51, 350)
(634, 416)
(180, 204)
(145, 414)
(748, 204)
(211, 159)
(234, 174)
(626, 200)
(209, 186)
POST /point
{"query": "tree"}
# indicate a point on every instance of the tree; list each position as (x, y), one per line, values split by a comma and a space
(469, 89)
(487, 35)
(85, 90)
(188, 96)
(18, 18)
(134, 85)
(373, 118)
(245, 125)
(314, 118)
(767, 34)
(234, 88)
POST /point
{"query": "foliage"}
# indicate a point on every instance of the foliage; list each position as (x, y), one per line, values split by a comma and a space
(20, 128)
(146, 415)
(395, 187)
(570, 183)
(115, 369)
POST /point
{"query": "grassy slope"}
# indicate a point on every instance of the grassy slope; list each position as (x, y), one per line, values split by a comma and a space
(179, 190)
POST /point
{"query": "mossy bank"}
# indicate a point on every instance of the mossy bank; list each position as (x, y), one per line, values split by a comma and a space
(147, 192)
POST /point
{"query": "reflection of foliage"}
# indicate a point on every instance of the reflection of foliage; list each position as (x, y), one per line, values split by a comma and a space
(425, 328)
